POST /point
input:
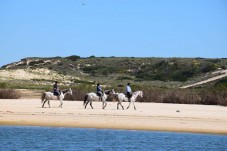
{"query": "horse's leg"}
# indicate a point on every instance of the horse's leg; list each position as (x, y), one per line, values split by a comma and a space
(86, 104)
(122, 105)
(134, 105)
(60, 103)
(91, 105)
(44, 103)
(118, 105)
(129, 104)
(104, 104)
(49, 103)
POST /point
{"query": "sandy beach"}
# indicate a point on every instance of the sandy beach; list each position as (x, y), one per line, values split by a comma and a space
(148, 116)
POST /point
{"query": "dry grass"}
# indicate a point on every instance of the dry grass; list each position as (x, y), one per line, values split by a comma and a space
(9, 94)
(189, 96)
(77, 95)
(180, 96)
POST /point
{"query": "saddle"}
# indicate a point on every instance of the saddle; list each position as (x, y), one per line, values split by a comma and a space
(128, 95)
(98, 94)
(56, 93)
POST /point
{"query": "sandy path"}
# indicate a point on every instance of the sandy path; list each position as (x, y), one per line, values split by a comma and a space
(223, 74)
(148, 116)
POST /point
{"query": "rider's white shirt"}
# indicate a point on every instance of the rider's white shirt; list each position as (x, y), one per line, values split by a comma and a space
(128, 89)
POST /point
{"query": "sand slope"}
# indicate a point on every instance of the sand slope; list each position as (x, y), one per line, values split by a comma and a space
(148, 116)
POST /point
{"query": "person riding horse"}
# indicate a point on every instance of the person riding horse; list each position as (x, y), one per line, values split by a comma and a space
(128, 91)
(99, 91)
(56, 89)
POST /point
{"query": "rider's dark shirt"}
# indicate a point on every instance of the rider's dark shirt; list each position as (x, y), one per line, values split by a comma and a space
(99, 89)
(55, 87)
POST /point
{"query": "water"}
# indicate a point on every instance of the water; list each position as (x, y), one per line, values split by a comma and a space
(49, 138)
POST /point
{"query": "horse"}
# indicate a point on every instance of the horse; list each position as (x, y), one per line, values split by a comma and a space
(122, 97)
(94, 97)
(47, 96)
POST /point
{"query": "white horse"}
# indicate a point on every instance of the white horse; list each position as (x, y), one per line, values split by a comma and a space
(122, 97)
(47, 96)
(94, 97)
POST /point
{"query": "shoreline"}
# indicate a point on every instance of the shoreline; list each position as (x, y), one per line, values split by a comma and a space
(148, 116)
(33, 124)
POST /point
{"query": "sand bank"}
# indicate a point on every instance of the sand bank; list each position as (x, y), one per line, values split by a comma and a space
(148, 116)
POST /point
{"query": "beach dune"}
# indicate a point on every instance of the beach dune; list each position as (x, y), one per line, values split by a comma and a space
(148, 116)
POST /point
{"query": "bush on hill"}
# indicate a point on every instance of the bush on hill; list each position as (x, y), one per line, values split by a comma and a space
(222, 84)
(73, 57)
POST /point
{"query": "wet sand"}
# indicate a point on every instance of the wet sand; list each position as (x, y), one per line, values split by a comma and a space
(148, 116)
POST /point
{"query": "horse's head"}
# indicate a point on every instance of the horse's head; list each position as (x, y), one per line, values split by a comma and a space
(141, 94)
(107, 92)
(112, 91)
(70, 91)
(138, 93)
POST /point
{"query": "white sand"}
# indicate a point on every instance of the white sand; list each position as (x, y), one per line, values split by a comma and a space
(148, 116)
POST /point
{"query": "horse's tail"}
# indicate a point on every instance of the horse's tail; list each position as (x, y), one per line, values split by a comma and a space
(43, 97)
(85, 99)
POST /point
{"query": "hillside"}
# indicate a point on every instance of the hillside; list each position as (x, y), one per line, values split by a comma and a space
(74, 70)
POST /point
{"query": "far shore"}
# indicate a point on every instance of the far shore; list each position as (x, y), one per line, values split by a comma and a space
(148, 116)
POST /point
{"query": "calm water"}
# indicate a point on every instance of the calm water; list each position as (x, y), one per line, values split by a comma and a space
(49, 138)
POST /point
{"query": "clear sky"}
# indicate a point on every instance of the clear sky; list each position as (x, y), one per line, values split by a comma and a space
(121, 28)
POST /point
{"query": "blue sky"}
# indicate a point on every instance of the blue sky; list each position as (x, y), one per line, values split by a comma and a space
(121, 28)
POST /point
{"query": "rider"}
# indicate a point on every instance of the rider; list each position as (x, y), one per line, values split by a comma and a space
(99, 91)
(128, 91)
(56, 89)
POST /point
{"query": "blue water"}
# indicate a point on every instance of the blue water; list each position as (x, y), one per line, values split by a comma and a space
(49, 138)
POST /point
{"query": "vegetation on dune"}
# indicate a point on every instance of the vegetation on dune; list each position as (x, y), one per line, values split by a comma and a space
(141, 69)
(158, 78)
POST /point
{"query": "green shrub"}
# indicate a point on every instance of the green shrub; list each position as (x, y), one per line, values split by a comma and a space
(3, 85)
(207, 67)
(73, 57)
(124, 78)
(222, 84)
(92, 56)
